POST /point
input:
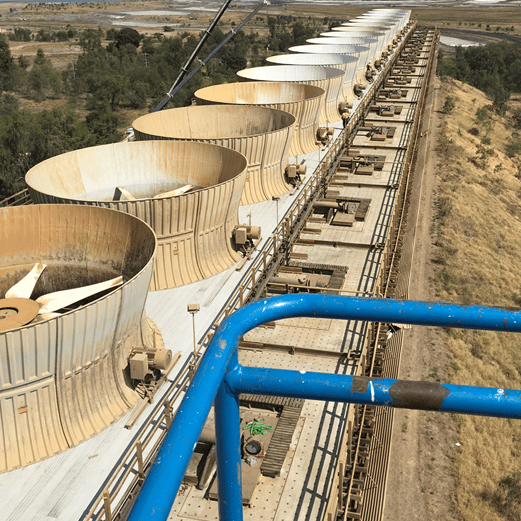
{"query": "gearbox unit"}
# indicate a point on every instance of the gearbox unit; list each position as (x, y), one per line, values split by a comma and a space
(343, 108)
(146, 365)
(295, 174)
(324, 135)
(361, 164)
(246, 237)
(386, 110)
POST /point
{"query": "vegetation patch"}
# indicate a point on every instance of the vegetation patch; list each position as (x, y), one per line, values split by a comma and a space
(478, 260)
(118, 75)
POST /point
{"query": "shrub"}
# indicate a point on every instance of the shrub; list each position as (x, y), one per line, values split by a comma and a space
(449, 105)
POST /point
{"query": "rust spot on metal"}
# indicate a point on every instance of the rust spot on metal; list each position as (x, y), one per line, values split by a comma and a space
(360, 383)
(425, 396)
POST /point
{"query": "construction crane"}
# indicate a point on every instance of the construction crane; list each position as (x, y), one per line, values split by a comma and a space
(183, 78)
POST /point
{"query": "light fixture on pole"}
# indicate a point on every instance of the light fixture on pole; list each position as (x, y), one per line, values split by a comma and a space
(193, 309)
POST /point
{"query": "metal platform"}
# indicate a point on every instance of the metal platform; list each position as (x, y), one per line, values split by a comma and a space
(65, 486)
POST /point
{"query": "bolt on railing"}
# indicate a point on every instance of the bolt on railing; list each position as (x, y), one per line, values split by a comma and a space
(220, 377)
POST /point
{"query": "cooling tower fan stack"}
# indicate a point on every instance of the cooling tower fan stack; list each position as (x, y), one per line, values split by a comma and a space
(73, 285)
(188, 192)
(304, 102)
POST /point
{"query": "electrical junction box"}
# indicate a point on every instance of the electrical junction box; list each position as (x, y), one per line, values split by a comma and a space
(241, 236)
(138, 366)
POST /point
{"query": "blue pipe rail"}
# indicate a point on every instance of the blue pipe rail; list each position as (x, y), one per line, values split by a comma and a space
(220, 377)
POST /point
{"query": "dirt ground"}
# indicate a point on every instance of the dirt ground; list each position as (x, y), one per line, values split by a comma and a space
(420, 484)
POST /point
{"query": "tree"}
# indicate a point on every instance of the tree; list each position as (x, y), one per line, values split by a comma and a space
(42, 78)
(301, 32)
(27, 139)
(128, 36)
(103, 122)
(7, 66)
(449, 105)
(111, 34)
(43, 36)
(62, 36)
(20, 35)
(71, 32)
(89, 40)
(499, 96)
(137, 98)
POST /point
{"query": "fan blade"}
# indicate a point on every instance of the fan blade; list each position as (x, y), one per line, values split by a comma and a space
(174, 193)
(45, 316)
(24, 287)
(60, 299)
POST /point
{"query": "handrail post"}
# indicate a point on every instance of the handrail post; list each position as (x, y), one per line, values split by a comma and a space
(228, 438)
(139, 457)
(106, 505)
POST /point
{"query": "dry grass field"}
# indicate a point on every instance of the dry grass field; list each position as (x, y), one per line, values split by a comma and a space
(476, 228)
(442, 16)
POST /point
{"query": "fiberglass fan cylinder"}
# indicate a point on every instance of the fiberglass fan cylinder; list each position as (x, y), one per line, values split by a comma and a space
(63, 379)
(391, 28)
(372, 43)
(328, 78)
(359, 51)
(303, 101)
(188, 192)
(403, 14)
(352, 28)
(377, 18)
(262, 134)
(344, 62)
(379, 46)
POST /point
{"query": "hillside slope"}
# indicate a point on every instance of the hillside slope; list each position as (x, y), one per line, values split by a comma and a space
(476, 231)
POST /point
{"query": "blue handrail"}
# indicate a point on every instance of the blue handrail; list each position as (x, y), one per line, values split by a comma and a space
(220, 377)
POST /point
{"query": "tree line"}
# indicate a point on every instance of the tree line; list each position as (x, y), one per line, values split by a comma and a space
(117, 70)
(494, 68)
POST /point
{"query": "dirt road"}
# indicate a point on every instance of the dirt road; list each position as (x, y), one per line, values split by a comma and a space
(420, 485)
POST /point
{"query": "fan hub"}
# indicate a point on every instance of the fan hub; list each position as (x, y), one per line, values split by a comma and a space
(17, 312)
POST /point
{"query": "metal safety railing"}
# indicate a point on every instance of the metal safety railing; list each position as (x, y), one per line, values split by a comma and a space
(220, 377)
(141, 454)
(20, 198)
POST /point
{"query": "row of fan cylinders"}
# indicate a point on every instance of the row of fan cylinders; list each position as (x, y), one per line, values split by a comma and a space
(190, 168)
